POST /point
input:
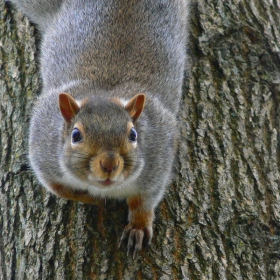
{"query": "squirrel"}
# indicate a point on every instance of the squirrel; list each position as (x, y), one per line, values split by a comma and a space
(105, 124)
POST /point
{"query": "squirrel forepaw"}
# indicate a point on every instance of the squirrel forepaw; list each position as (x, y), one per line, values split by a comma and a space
(136, 238)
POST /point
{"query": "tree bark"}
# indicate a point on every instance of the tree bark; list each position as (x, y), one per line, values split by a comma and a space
(220, 217)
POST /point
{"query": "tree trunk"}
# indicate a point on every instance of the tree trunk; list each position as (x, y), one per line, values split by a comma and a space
(220, 217)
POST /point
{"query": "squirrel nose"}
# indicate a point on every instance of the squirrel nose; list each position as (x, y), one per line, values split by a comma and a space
(108, 165)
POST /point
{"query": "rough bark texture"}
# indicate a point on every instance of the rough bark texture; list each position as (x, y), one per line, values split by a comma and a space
(219, 219)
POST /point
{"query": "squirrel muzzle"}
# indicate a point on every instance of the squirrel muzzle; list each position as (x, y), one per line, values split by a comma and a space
(107, 167)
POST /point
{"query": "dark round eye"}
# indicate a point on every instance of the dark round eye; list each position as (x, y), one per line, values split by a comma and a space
(133, 134)
(76, 136)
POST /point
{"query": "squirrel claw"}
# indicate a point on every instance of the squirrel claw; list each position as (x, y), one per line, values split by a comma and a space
(124, 236)
(135, 238)
(135, 241)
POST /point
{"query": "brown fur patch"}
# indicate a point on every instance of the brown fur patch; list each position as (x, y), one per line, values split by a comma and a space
(129, 126)
(84, 101)
(117, 101)
(76, 195)
(135, 203)
(139, 217)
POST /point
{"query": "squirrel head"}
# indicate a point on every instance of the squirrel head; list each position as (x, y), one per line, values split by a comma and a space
(100, 138)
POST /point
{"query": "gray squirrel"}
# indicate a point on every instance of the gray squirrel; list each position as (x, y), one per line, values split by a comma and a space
(105, 124)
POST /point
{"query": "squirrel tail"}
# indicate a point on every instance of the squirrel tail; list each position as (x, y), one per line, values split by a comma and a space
(39, 12)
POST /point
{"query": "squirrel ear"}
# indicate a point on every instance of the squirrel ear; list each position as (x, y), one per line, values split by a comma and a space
(68, 106)
(136, 105)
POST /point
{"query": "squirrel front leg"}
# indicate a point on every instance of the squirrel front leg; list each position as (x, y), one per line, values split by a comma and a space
(139, 230)
(76, 195)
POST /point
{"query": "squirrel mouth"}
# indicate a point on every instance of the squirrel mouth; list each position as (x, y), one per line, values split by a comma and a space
(106, 182)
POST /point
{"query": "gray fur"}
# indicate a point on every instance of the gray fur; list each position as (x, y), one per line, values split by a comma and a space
(104, 49)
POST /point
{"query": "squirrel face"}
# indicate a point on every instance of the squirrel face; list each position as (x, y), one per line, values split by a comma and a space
(100, 140)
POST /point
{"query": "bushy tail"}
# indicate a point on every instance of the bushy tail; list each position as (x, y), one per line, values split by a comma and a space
(41, 12)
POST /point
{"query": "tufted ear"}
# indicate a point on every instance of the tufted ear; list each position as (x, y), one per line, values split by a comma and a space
(68, 106)
(136, 105)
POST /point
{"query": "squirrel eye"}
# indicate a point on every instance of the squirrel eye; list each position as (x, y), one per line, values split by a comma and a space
(133, 134)
(76, 136)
